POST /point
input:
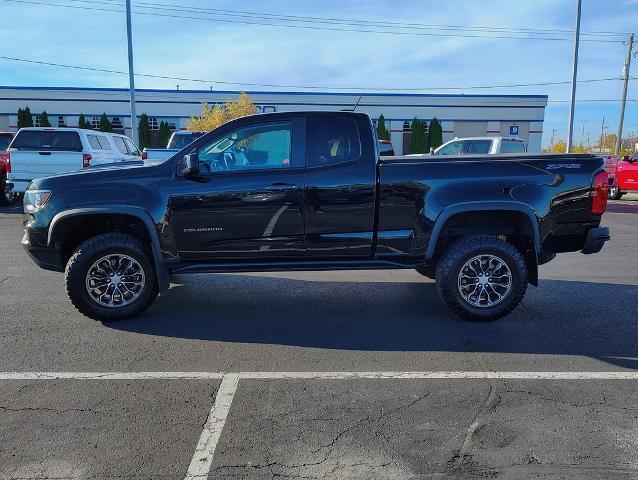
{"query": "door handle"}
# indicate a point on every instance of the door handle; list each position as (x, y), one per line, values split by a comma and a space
(44, 153)
(277, 186)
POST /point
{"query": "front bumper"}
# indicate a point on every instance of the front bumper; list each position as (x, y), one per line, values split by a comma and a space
(46, 258)
(596, 238)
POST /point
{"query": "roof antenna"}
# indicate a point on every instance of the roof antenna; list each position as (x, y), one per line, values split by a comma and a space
(355, 105)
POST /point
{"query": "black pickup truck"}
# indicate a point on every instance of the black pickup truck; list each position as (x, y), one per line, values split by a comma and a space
(308, 191)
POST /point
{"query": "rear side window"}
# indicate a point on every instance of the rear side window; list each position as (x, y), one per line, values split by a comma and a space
(332, 140)
(49, 140)
(121, 146)
(478, 147)
(98, 142)
(509, 146)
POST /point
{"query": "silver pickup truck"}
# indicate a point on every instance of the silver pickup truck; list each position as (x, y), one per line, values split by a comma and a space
(178, 140)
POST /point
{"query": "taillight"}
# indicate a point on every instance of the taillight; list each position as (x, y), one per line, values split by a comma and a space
(8, 160)
(86, 160)
(599, 193)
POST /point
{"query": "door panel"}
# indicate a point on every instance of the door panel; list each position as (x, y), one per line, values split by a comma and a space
(627, 173)
(248, 202)
(340, 187)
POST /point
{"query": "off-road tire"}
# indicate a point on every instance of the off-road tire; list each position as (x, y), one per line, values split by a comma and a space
(453, 259)
(90, 251)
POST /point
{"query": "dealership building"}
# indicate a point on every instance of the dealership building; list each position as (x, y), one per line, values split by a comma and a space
(460, 115)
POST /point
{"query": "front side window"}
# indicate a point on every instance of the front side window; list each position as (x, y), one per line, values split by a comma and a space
(132, 149)
(332, 140)
(452, 148)
(261, 146)
(478, 147)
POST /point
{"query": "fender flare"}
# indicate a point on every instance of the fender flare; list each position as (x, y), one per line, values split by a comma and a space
(481, 207)
(160, 269)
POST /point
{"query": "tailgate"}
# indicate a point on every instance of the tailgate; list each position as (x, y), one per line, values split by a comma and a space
(27, 165)
(39, 153)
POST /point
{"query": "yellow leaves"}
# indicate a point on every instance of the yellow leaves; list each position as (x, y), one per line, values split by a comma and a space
(216, 116)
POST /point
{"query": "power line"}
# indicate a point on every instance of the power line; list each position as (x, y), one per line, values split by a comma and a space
(276, 85)
(356, 22)
(307, 27)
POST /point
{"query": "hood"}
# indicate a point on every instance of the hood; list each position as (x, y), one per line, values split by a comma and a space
(97, 174)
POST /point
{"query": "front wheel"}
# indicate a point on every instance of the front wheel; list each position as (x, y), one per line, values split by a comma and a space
(110, 277)
(481, 278)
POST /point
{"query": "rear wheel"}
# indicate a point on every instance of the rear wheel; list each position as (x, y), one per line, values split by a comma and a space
(110, 277)
(481, 278)
(6, 197)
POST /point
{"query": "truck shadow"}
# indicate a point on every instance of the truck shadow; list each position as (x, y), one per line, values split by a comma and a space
(560, 317)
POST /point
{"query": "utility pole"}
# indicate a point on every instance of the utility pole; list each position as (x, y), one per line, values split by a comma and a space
(624, 94)
(131, 73)
(570, 129)
(602, 135)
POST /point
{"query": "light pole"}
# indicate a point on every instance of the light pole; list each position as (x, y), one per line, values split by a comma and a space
(570, 129)
(626, 68)
(131, 73)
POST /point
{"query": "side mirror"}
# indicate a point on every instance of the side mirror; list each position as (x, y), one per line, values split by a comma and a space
(627, 158)
(190, 164)
(431, 150)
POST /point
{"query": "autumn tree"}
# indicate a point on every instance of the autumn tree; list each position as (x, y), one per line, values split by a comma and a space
(214, 117)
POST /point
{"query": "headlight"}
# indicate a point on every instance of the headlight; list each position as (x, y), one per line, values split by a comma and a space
(34, 199)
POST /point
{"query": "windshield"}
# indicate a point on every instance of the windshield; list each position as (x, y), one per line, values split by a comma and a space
(180, 140)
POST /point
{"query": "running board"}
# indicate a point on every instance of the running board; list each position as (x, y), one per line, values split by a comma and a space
(302, 265)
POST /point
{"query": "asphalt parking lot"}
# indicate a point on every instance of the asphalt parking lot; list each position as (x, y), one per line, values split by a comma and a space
(356, 375)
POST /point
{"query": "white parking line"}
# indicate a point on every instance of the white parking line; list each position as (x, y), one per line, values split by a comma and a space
(203, 457)
(602, 375)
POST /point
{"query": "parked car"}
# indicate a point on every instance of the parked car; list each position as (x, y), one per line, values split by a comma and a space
(623, 175)
(7, 197)
(179, 139)
(481, 146)
(386, 148)
(39, 152)
(306, 191)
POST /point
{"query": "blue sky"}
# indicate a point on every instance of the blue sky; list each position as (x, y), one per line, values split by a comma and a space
(261, 54)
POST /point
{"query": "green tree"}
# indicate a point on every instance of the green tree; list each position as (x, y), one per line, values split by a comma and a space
(105, 124)
(164, 134)
(436, 134)
(382, 131)
(82, 123)
(44, 119)
(27, 119)
(419, 140)
(144, 132)
(20, 123)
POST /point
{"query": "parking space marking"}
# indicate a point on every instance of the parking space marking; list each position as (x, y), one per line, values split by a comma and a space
(110, 375)
(203, 457)
(512, 375)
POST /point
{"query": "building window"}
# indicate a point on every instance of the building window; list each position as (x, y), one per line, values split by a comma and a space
(95, 123)
(375, 123)
(152, 122)
(407, 126)
(36, 121)
(117, 123)
(61, 121)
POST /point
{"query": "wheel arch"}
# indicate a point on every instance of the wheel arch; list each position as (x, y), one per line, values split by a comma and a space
(65, 221)
(520, 210)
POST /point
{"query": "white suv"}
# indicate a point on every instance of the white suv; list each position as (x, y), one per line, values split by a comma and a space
(42, 152)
